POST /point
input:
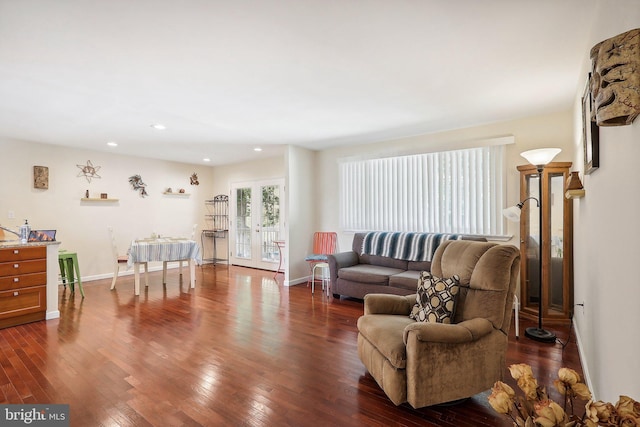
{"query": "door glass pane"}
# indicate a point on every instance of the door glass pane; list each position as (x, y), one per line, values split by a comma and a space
(556, 294)
(270, 222)
(243, 223)
(532, 243)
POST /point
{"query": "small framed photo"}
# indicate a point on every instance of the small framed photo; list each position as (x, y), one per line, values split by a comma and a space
(590, 132)
(42, 236)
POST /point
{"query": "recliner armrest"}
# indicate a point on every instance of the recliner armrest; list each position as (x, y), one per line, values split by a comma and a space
(388, 304)
(467, 331)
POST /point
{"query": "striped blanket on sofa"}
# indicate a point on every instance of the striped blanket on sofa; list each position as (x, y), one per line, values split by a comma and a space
(405, 246)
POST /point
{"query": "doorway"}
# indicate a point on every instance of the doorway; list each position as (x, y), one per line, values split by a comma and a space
(256, 223)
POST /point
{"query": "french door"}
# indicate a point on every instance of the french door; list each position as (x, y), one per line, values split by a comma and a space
(256, 223)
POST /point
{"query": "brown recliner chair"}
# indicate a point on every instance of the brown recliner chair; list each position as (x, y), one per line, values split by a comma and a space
(427, 363)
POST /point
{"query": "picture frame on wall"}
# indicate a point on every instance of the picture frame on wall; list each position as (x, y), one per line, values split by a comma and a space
(590, 132)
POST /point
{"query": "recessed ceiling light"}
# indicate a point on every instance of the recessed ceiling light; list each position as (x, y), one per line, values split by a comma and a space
(206, 160)
(158, 126)
(257, 149)
(112, 144)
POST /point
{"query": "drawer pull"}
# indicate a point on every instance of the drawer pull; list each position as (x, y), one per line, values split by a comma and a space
(16, 265)
(16, 279)
(16, 293)
(16, 251)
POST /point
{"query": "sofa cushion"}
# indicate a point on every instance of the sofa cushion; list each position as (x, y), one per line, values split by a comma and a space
(384, 261)
(405, 280)
(436, 298)
(366, 273)
(385, 333)
(419, 265)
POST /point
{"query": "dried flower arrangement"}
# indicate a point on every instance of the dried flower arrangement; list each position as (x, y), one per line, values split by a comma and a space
(536, 409)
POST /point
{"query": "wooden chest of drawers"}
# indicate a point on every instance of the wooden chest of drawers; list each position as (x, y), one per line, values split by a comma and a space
(23, 285)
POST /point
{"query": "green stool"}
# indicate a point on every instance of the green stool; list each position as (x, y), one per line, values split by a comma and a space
(68, 263)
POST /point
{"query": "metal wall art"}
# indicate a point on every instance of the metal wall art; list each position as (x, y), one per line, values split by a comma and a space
(89, 171)
(138, 185)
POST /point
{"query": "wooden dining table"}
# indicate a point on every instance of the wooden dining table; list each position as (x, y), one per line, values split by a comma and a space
(167, 250)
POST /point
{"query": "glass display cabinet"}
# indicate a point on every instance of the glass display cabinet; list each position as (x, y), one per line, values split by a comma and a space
(557, 243)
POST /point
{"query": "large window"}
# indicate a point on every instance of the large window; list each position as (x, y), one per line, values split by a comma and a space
(461, 191)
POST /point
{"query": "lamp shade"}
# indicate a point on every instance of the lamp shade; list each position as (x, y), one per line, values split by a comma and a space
(540, 156)
(512, 213)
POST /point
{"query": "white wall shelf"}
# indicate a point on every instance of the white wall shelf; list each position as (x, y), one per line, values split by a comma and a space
(177, 194)
(97, 199)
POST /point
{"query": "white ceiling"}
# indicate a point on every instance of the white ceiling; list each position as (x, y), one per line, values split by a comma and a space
(228, 76)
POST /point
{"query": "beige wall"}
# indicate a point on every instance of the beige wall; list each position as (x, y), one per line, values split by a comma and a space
(224, 176)
(552, 130)
(246, 172)
(301, 184)
(298, 167)
(82, 226)
(606, 229)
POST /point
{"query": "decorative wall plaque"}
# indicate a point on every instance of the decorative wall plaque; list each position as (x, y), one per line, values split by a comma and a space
(41, 177)
(615, 81)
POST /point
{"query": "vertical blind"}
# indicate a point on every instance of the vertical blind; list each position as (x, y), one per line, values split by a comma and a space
(460, 191)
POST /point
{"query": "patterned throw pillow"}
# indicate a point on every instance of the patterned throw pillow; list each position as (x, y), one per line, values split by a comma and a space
(436, 299)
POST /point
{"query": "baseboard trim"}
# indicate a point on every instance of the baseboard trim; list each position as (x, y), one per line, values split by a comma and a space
(583, 360)
(130, 272)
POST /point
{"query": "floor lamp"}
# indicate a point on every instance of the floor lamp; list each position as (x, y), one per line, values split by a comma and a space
(539, 158)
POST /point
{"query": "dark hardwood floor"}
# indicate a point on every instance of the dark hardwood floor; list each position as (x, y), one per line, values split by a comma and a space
(239, 349)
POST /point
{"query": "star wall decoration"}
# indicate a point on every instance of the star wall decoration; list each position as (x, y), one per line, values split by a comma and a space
(89, 171)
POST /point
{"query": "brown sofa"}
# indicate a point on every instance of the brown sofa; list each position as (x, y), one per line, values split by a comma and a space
(354, 274)
(425, 363)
